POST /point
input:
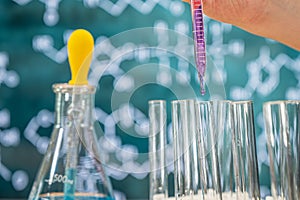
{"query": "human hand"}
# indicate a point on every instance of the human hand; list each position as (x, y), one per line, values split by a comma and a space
(237, 12)
(278, 20)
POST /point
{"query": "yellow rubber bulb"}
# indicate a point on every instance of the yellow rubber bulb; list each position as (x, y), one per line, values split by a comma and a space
(80, 53)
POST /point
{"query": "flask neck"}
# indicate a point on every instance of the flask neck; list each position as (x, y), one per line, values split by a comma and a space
(74, 103)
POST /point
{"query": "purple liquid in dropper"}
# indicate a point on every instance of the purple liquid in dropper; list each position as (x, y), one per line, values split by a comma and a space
(199, 41)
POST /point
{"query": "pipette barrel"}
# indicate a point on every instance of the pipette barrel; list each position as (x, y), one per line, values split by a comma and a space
(199, 41)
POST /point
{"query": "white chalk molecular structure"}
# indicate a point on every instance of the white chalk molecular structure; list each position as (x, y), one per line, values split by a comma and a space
(51, 15)
(8, 77)
(9, 137)
(264, 64)
(44, 44)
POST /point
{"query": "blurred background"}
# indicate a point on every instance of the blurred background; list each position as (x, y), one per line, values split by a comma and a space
(144, 51)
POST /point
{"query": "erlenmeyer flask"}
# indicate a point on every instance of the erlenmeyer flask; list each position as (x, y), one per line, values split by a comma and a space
(72, 168)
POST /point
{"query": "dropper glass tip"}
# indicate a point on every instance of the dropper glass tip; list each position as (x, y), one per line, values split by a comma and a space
(202, 86)
(202, 91)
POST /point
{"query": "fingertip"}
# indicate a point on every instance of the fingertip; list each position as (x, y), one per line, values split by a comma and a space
(187, 1)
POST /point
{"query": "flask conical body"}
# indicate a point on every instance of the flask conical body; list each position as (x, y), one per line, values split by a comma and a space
(72, 167)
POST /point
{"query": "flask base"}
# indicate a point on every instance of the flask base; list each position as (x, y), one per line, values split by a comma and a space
(76, 196)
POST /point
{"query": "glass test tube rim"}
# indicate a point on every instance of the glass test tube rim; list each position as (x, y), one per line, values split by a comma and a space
(179, 101)
(278, 102)
(234, 101)
(156, 101)
(241, 101)
(215, 101)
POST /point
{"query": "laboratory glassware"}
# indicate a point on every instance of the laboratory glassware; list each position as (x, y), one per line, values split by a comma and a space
(228, 163)
(72, 168)
(157, 150)
(199, 40)
(282, 120)
(207, 151)
(186, 170)
(236, 147)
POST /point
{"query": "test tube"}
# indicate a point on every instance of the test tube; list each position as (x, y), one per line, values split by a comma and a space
(282, 119)
(244, 151)
(207, 151)
(224, 145)
(157, 147)
(186, 170)
(231, 163)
